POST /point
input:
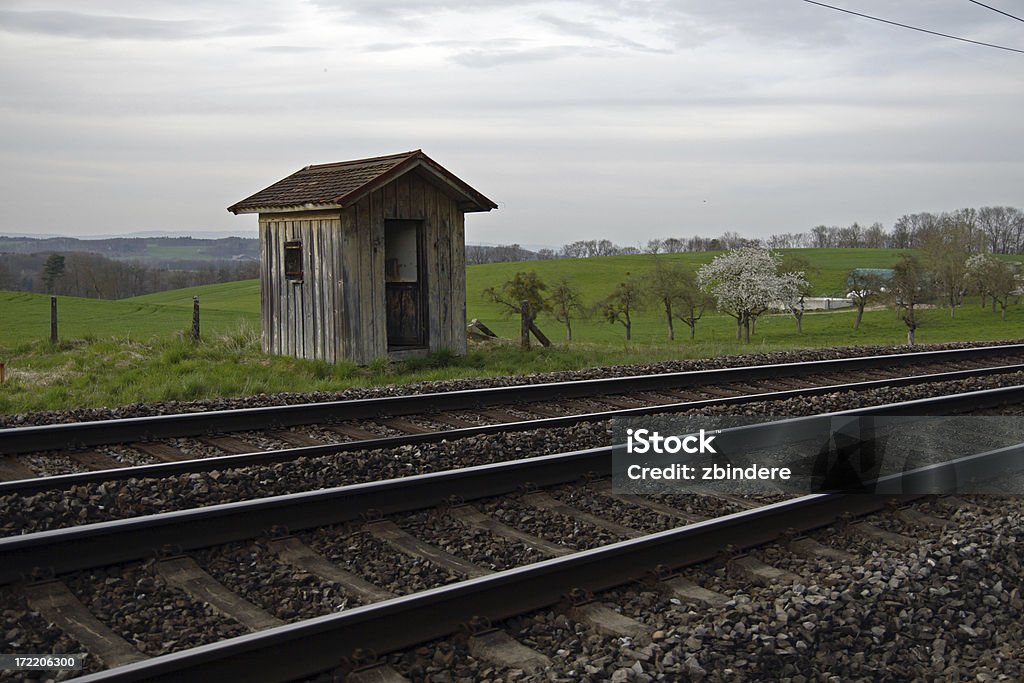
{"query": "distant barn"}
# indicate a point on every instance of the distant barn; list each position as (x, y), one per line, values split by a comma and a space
(364, 259)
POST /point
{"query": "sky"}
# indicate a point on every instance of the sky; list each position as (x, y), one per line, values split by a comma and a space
(623, 120)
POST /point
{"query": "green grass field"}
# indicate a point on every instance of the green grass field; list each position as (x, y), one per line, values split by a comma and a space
(596, 277)
(121, 352)
(25, 318)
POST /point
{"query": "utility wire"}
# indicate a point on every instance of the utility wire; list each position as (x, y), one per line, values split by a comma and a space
(915, 28)
(996, 10)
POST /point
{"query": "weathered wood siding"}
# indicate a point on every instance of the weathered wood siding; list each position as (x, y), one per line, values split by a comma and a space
(301, 319)
(338, 311)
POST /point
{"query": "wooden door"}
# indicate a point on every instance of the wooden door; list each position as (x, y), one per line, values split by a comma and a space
(404, 294)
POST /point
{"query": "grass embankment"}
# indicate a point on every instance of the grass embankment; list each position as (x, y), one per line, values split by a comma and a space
(137, 350)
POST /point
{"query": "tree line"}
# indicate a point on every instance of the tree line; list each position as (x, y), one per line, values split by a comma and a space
(95, 276)
(749, 281)
(743, 283)
(993, 229)
(504, 253)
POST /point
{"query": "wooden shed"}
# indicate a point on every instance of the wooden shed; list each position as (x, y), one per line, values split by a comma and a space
(364, 259)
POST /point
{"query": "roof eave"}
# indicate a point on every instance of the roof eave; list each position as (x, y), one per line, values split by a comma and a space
(472, 201)
(308, 206)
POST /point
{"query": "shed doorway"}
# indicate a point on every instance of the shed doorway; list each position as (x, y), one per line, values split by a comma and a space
(404, 280)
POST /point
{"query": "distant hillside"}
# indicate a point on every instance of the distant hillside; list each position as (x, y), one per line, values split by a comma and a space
(162, 251)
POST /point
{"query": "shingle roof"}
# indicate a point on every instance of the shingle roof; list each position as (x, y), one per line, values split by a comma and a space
(342, 183)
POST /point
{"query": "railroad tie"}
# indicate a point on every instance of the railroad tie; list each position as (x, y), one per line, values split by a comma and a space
(653, 398)
(231, 445)
(184, 573)
(954, 504)
(545, 411)
(717, 392)
(689, 591)
(295, 438)
(608, 622)
(500, 649)
(543, 501)
(161, 451)
(604, 488)
(582, 407)
(55, 601)
(403, 425)
(760, 573)
(378, 673)
(622, 402)
(921, 519)
(352, 432)
(402, 540)
(94, 460)
(298, 554)
(889, 538)
(451, 421)
(789, 384)
(808, 547)
(12, 469)
(746, 388)
(472, 517)
(499, 415)
(598, 404)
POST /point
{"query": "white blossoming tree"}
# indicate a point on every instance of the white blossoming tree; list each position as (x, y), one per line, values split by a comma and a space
(746, 282)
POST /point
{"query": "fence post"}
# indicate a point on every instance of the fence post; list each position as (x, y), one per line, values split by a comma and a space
(53, 319)
(524, 340)
(3, 369)
(195, 318)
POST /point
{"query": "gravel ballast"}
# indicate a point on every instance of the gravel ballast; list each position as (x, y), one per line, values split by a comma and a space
(947, 609)
(117, 500)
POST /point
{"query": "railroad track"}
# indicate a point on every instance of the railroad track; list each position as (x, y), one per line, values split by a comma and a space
(291, 527)
(77, 453)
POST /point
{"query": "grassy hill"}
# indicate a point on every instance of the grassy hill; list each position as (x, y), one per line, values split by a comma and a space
(242, 297)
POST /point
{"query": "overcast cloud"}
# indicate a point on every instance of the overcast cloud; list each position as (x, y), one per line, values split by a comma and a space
(621, 120)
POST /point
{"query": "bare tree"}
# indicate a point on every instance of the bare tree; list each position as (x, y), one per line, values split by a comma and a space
(664, 285)
(993, 277)
(908, 288)
(622, 303)
(522, 287)
(566, 303)
(863, 288)
(692, 302)
(875, 236)
(944, 247)
(800, 267)
(1001, 226)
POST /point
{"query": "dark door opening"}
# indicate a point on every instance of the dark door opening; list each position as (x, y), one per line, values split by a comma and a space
(404, 284)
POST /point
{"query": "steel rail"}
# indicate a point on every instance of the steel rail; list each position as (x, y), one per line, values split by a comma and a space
(65, 481)
(104, 543)
(81, 434)
(315, 645)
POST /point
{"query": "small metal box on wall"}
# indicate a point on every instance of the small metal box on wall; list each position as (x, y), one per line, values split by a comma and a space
(363, 259)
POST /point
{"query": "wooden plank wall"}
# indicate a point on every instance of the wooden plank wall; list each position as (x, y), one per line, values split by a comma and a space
(300, 319)
(362, 258)
(338, 312)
